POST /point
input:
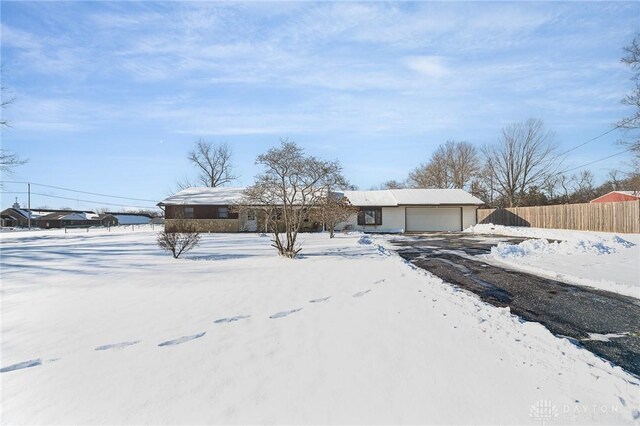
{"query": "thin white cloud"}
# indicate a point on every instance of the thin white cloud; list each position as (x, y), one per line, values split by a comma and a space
(429, 66)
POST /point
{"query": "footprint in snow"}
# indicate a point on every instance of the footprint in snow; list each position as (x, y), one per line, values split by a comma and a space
(361, 293)
(380, 281)
(182, 339)
(21, 365)
(324, 299)
(120, 345)
(231, 319)
(284, 313)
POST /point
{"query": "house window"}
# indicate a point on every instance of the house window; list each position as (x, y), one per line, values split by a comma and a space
(223, 213)
(251, 215)
(370, 216)
(188, 213)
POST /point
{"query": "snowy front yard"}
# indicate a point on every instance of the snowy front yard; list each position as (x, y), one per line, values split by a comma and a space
(119, 332)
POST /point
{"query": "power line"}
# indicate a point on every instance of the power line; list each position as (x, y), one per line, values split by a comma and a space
(616, 127)
(596, 161)
(83, 192)
(90, 201)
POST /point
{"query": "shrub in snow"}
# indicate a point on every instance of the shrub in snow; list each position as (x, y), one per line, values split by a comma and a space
(182, 238)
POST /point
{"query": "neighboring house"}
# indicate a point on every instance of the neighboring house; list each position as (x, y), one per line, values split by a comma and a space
(107, 219)
(615, 196)
(125, 218)
(392, 210)
(45, 218)
(14, 217)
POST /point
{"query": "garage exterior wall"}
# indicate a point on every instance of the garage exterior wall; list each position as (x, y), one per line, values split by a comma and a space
(393, 219)
(468, 216)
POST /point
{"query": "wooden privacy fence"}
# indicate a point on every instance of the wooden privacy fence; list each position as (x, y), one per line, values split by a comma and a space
(605, 217)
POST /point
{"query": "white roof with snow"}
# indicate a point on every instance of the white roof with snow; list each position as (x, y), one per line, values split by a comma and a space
(400, 197)
(379, 198)
(205, 196)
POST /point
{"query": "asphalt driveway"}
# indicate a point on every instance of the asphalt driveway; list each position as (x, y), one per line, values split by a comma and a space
(566, 310)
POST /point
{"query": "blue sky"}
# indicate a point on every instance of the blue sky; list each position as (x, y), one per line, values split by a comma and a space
(110, 96)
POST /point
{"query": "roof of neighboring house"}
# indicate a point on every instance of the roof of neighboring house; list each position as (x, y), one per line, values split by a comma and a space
(205, 196)
(47, 214)
(103, 216)
(129, 214)
(69, 216)
(635, 194)
(402, 197)
(632, 193)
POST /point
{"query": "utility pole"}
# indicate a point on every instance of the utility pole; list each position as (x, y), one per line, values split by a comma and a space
(29, 204)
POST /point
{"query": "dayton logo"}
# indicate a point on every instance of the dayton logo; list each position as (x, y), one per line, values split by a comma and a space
(543, 410)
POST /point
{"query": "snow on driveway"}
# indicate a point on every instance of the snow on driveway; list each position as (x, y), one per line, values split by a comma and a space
(104, 328)
(601, 260)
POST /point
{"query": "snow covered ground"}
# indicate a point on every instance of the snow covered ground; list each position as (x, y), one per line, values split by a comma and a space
(602, 260)
(114, 331)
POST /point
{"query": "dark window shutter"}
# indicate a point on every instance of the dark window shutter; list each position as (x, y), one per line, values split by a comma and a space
(361, 217)
(378, 216)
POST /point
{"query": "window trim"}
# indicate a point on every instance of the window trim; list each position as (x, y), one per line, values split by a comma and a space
(377, 214)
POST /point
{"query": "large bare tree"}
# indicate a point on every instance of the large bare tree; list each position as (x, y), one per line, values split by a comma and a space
(213, 162)
(452, 165)
(523, 157)
(291, 186)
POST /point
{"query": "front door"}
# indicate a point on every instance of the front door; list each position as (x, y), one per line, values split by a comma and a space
(250, 222)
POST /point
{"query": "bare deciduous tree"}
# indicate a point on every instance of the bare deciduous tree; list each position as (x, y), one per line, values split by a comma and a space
(522, 158)
(8, 159)
(393, 184)
(291, 186)
(452, 165)
(184, 183)
(583, 190)
(179, 238)
(213, 162)
(333, 209)
(632, 124)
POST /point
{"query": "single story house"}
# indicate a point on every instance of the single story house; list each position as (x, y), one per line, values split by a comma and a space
(390, 210)
(615, 196)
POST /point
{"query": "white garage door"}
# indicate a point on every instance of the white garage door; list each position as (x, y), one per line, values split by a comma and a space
(434, 219)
